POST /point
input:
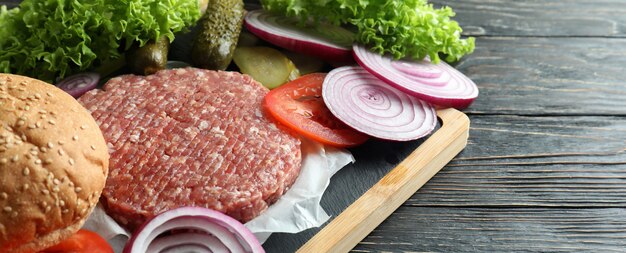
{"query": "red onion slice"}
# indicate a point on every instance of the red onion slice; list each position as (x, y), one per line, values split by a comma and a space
(187, 242)
(371, 106)
(79, 84)
(438, 84)
(228, 232)
(327, 42)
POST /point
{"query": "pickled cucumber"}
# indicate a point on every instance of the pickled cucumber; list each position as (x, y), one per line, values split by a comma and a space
(266, 65)
(150, 58)
(217, 39)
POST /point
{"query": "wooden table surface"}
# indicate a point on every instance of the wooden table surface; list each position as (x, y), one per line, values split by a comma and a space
(545, 167)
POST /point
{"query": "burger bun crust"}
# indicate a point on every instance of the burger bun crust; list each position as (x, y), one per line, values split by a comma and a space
(53, 164)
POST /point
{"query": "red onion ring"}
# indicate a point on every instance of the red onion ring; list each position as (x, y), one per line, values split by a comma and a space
(373, 107)
(314, 41)
(439, 84)
(79, 84)
(227, 232)
(187, 242)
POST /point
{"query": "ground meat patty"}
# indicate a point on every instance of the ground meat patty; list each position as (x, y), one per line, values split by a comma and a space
(190, 137)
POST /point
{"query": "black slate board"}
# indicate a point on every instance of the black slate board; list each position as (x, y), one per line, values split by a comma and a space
(374, 160)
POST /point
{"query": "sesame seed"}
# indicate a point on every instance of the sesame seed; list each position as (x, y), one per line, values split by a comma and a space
(7, 209)
(45, 192)
(26, 171)
(71, 161)
(26, 108)
(61, 143)
(62, 203)
(25, 187)
(50, 145)
(71, 184)
(38, 161)
(61, 153)
(38, 124)
(43, 149)
(34, 152)
(3, 161)
(93, 147)
(47, 161)
(75, 137)
(49, 94)
(31, 126)
(83, 127)
(65, 211)
(56, 189)
(4, 195)
(48, 208)
(15, 158)
(37, 96)
(23, 83)
(56, 181)
(78, 189)
(51, 122)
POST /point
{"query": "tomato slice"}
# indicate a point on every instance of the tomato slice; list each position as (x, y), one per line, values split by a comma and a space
(299, 106)
(84, 241)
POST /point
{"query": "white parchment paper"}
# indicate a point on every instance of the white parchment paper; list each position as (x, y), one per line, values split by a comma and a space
(299, 209)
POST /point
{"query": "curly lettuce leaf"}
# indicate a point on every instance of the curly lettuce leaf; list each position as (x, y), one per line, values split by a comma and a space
(49, 39)
(402, 28)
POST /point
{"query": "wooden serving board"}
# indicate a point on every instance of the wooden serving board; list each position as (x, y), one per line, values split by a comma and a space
(392, 188)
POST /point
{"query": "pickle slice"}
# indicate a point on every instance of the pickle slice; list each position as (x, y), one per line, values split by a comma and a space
(267, 65)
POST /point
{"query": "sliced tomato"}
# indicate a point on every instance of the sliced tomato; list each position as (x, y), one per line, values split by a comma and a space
(84, 241)
(299, 106)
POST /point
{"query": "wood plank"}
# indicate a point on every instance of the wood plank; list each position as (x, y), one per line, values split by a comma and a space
(603, 18)
(499, 230)
(548, 76)
(535, 161)
(510, 138)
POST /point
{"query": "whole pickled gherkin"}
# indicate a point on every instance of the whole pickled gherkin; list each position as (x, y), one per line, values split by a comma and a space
(150, 58)
(220, 27)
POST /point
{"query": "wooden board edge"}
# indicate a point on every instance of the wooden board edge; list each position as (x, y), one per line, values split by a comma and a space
(374, 206)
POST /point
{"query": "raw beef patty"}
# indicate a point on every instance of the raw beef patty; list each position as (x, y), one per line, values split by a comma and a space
(190, 137)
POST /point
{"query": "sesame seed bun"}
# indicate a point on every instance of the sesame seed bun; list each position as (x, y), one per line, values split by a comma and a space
(53, 164)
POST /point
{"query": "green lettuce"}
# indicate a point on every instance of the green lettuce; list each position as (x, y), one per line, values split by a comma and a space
(49, 39)
(402, 28)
